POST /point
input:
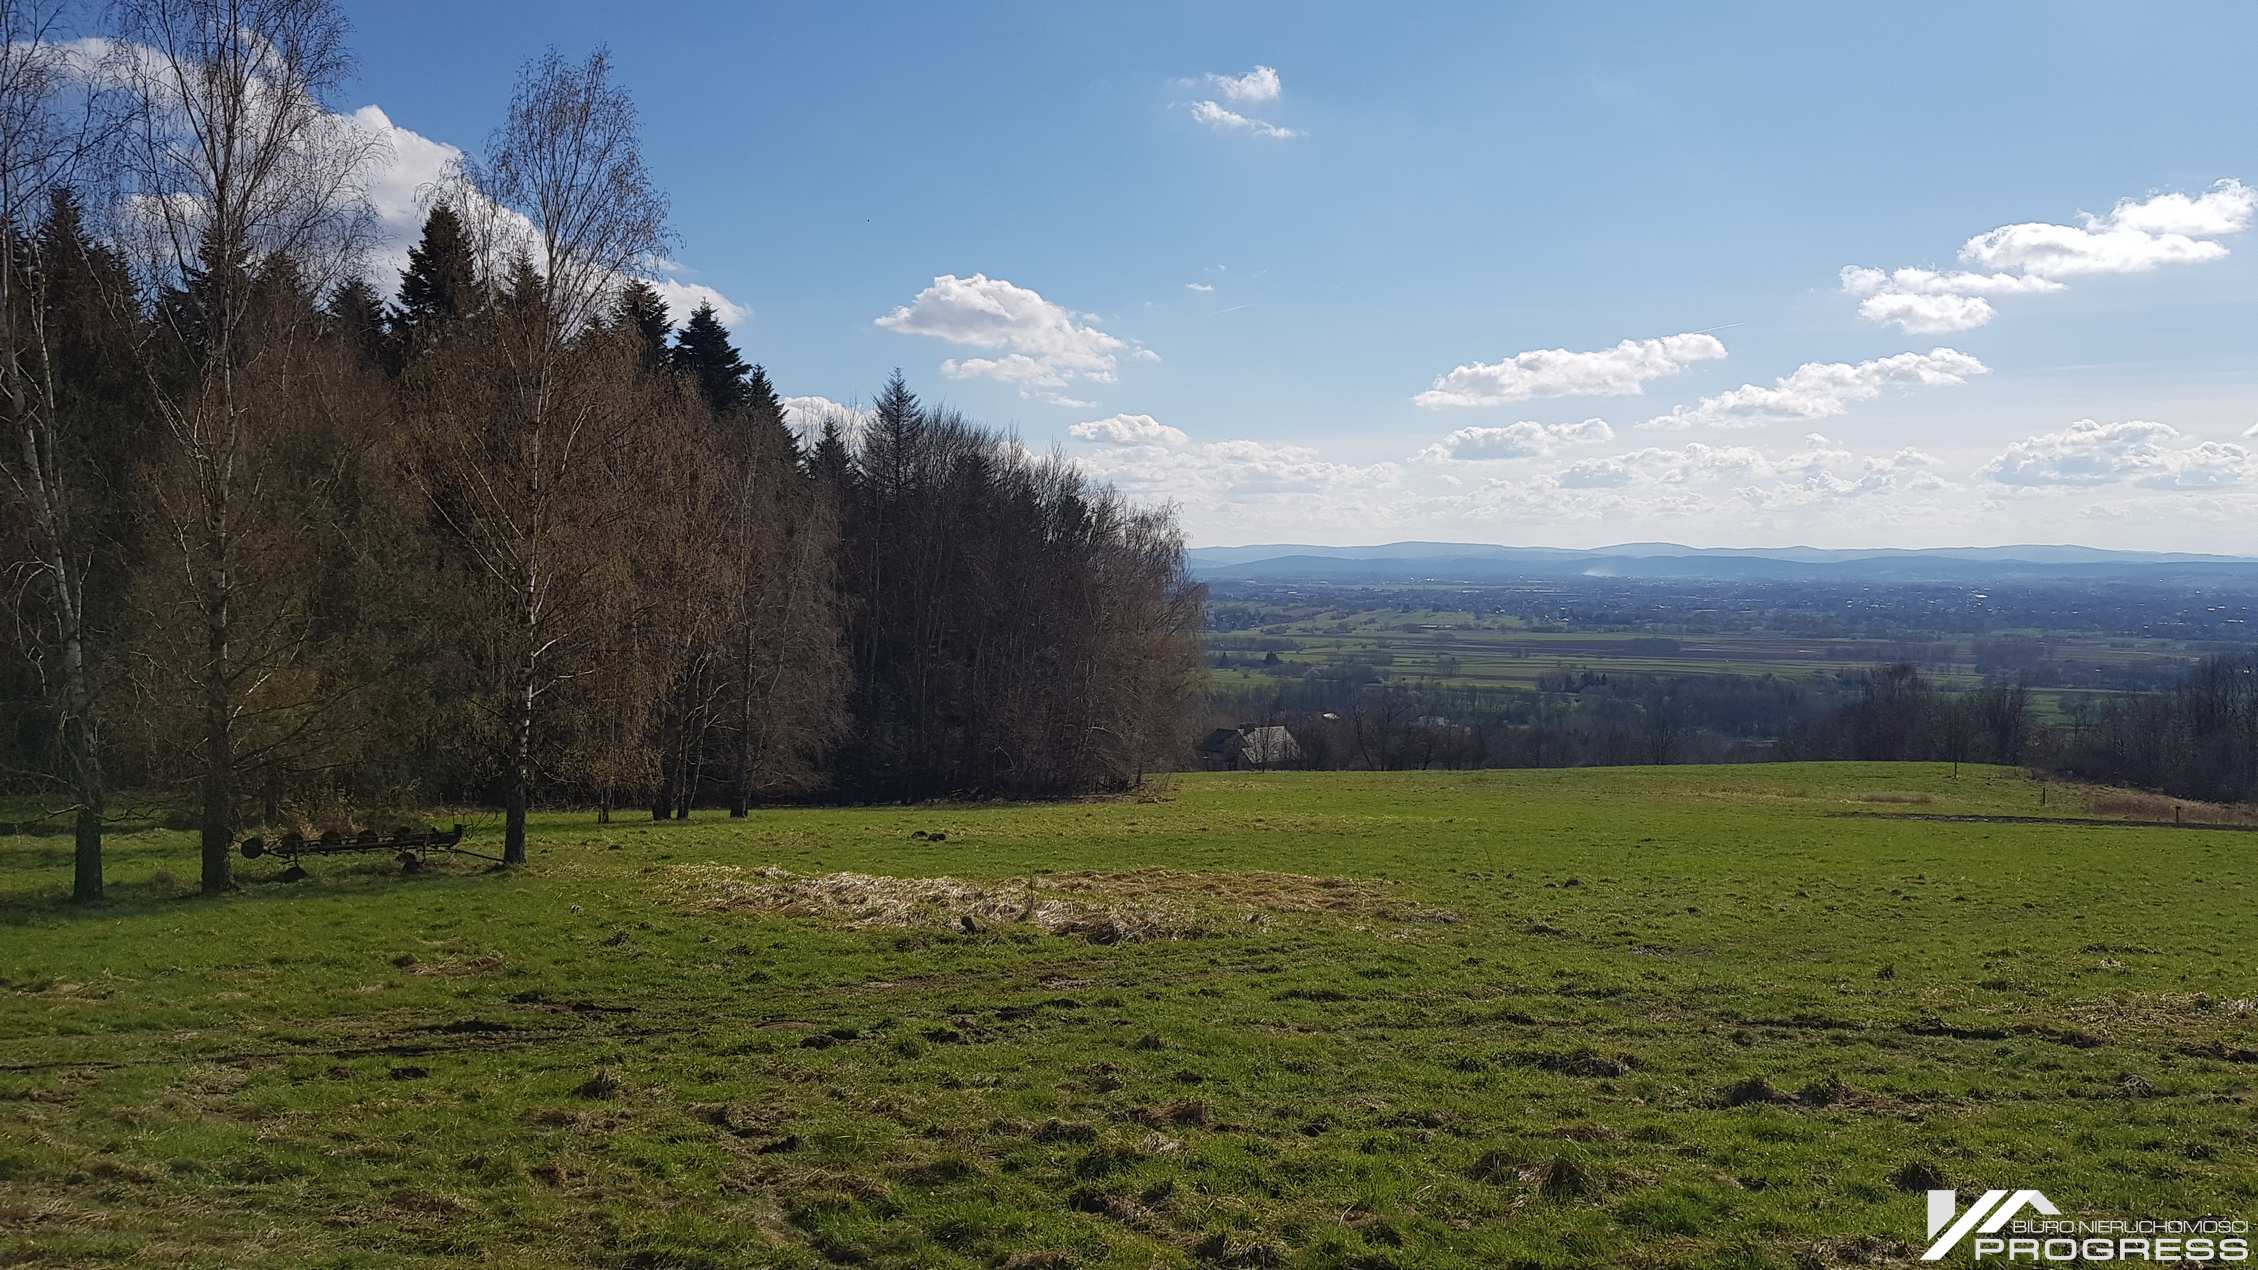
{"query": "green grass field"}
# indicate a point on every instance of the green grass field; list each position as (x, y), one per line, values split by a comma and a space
(1634, 1017)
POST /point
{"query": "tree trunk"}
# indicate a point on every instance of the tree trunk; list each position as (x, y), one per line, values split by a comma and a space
(82, 752)
(219, 740)
(43, 484)
(662, 790)
(741, 779)
(521, 720)
(86, 859)
(521, 774)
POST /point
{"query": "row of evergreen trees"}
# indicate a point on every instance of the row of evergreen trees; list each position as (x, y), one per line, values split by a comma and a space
(309, 557)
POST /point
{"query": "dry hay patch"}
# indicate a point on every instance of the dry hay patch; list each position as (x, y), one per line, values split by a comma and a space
(1102, 907)
(2127, 804)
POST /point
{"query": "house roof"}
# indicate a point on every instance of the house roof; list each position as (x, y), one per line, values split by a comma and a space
(1221, 741)
(1262, 746)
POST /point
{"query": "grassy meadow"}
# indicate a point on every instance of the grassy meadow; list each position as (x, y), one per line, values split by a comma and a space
(1631, 1017)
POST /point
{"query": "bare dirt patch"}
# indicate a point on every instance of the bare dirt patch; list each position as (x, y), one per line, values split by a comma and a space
(1104, 908)
(2133, 805)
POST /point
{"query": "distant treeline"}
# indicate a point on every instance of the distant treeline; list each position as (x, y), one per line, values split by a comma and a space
(513, 536)
(2199, 739)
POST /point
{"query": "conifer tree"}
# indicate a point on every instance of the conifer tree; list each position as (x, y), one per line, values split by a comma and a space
(764, 415)
(760, 394)
(356, 314)
(828, 460)
(93, 328)
(702, 351)
(523, 291)
(211, 293)
(643, 308)
(890, 441)
(440, 283)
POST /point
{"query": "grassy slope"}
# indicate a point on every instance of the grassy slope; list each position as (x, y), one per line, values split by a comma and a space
(370, 1070)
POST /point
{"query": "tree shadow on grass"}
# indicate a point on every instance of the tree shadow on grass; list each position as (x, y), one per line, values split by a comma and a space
(35, 879)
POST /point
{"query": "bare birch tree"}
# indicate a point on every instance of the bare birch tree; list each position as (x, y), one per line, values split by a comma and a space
(52, 117)
(561, 201)
(242, 184)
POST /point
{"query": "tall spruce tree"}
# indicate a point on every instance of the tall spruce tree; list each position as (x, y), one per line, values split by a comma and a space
(764, 415)
(703, 352)
(440, 283)
(356, 315)
(212, 290)
(93, 336)
(643, 308)
(828, 460)
(760, 394)
(524, 290)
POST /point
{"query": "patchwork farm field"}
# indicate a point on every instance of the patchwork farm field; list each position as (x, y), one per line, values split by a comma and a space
(1460, 649)
(1622, 1017)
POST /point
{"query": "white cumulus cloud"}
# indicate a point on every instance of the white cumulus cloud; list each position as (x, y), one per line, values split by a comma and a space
(1241, 477)
(2137, 450)
(408, 167)
(1926, 302)
(1127, 429)
(1926, 314)
(1224, 119)
(1623, 370)
(1027, 341)
(1821, 390)
(1860, 280)
(2135, 236)
(1258, 85)
(1756, 477)
(1525, 439)
(805, 415)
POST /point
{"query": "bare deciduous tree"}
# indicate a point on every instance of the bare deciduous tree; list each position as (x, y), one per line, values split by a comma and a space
(243, 201)
(51, 119)
(789, 664)
(515, 432)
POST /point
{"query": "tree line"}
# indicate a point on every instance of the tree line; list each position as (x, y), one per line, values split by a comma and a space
(1611, 718)
(512, 534)
(2196, 738)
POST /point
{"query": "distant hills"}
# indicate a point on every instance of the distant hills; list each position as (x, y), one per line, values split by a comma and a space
(1403, 562)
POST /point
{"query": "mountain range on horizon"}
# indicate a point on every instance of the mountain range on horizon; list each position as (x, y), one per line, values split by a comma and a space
(1484, 562)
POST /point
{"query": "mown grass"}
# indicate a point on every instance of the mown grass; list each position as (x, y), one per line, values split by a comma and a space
(1683, 1016)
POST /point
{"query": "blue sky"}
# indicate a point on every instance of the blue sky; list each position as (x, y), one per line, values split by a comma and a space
(1263, 327)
